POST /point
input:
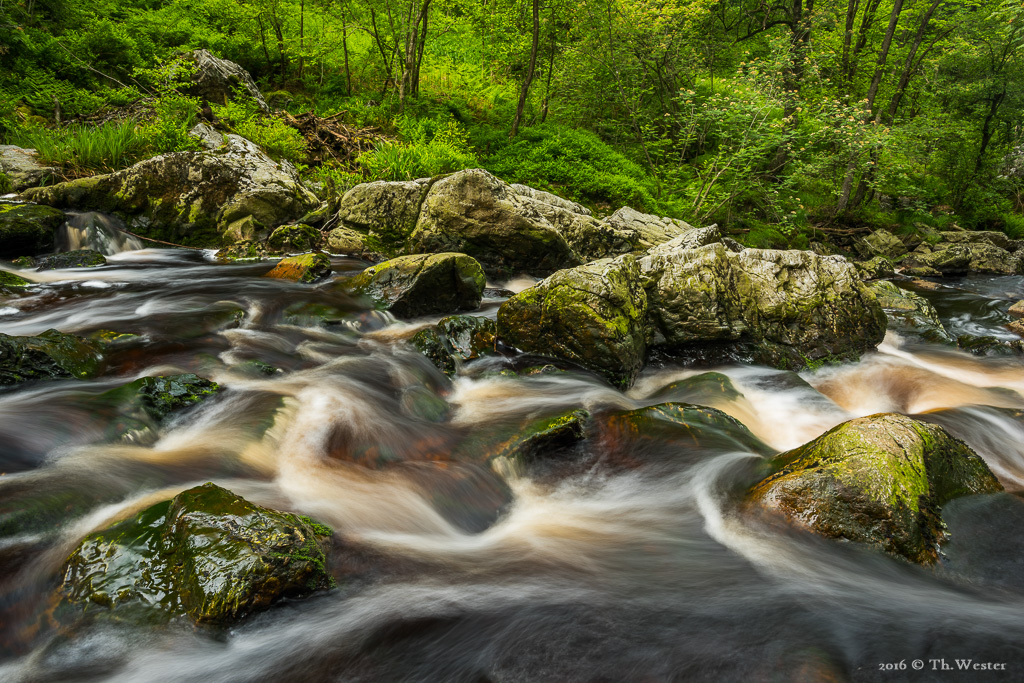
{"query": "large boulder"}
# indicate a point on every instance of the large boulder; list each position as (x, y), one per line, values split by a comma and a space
(191, 198)
(385, 212)
(207, 554)
(945, 259)
(422, 284)
(787, 309)
(646, 230)
(910, 314)
(988, 258)
(880, 480)
(22, 168)
(993, 237)
(50, 355)
(216, 80)
(592, 315)
(28, 229)
(475, 213)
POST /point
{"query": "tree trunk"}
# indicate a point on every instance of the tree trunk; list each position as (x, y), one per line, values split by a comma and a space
(344, 47)
(529, 71)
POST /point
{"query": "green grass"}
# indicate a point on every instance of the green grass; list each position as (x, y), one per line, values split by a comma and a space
(106, 147)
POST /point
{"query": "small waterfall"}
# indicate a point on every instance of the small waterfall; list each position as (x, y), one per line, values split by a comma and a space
(98, 231)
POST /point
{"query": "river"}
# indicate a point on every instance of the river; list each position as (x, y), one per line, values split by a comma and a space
(629, 561)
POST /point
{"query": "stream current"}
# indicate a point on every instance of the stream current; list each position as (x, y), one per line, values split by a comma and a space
(631, 562)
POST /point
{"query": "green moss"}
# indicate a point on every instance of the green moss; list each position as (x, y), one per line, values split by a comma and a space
(9, 279)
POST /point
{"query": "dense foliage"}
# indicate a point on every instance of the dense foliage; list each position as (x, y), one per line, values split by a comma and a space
(771, 118)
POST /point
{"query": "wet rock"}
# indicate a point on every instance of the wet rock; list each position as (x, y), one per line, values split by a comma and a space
(207, 554)
(1017, 327)
(164, 396)
(421, 284)
(244, 231)
(780, 308)
(243, 250)
(880, 480)
(191, 198)
(80, 258)
(1017, 310)
(22, 167)
(985, 346)
(456, 339)
(630, 437)
(876, 268)
(28, 229)
(303, 268)
(216, 80)
(291, 239)
(50, 355)
(11, 283)
(707, 388)
(910, 314)
(592, 315)
(880, 243)
(543, 438)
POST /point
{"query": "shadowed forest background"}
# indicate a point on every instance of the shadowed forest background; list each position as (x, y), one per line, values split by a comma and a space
(776, 120)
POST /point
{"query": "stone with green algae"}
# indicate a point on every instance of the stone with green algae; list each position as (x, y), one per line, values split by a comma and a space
(28, 228)
(291, 239)
(457, 338)
(207, 554)
(422, 284)
(880, 480)
(49, 355)
(592, 315)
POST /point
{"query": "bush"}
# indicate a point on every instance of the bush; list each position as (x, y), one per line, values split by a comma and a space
(574, 163)
(277, 138)
(434, 147)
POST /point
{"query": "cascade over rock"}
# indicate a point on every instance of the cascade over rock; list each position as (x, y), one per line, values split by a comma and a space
(191, 197)
(880, 480)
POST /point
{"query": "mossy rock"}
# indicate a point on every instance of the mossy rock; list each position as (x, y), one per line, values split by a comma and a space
(9, 279)
(876, 268)
(539, 439)
(456, 338)
(80, 258)
(294, 238)
(207, 554)
(245, 250)
(592, 315)
(28, 229)
(347, 241)
(303, 268)
(50, 355)
(880, 480)
(109, 339)
(163, 396)
(422, 284)
(989, 346)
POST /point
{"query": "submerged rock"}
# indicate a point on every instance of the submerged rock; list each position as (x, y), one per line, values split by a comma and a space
(786, 309)
(880, 480)
(629, 436)
(542, 438)
(706, 389)
(303, 268)
(50, 355)
(163, 396)
(207, 554)
(191, 198)
(986, 345)
(421, 284)
(456, 339)
(80, 258)
(592, 315)
(28, 229)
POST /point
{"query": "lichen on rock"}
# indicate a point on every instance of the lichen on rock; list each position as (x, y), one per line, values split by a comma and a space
(421, 284)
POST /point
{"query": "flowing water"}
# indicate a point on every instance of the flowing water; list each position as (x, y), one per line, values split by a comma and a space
(629, 561)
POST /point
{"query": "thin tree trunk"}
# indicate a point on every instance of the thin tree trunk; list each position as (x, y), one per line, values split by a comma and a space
(383, 53)
(344, 47)
(419, 58)
(883, 55)
(529, 70)
(302, 37)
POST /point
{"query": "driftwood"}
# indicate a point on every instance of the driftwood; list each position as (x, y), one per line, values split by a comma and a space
(328, 139)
